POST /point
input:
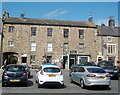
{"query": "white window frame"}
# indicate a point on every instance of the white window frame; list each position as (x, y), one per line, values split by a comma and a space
(112, 50)
(109, 37)
(81, 49)
(10, 43)
(33, 46)
(49, 47)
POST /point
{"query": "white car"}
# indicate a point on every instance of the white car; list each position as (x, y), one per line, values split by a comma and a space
(49, 74)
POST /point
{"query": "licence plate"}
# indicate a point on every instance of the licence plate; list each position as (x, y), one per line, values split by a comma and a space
(101, 78)
(52, 75)
(14, 80)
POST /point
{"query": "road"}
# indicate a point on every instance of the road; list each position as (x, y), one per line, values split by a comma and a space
(68, 88)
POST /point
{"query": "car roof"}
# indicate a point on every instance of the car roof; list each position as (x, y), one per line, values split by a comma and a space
(50, 65)
(90, 66)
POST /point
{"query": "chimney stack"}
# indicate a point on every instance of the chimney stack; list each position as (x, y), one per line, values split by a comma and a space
(22, 15)
(111, 21)
(90, 19)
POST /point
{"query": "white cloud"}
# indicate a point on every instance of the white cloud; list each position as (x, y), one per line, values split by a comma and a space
(55, 13)
(102, 21)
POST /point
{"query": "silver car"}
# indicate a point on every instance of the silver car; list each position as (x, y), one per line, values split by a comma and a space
(90, 76)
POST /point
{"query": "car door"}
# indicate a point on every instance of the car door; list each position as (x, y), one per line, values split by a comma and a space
(80, 74)
(73, 74)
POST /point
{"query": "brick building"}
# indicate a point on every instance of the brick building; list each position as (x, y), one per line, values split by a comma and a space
(33, 40)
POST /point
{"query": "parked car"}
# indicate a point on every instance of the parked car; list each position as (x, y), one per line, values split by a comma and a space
(14, 74)
(27, 68)
(49, 74)
(109, 67)
(90, 76)
(75, 66)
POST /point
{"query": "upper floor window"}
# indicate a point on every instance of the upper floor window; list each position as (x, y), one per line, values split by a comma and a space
(10, 43)
(49, 46)
(11, 28)
(81, 34)
(33, 31)
(65, 47)
(109, 39)
(66, 33)
(81, 47)
(49, 32)
(33, 46)
(111, 48)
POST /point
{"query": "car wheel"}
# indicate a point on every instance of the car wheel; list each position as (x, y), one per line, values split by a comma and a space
(3, 84)
(71, 81)
(82, 85)
(39, 85)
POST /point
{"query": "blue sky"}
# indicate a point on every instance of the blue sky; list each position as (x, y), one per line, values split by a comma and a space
(77, 11)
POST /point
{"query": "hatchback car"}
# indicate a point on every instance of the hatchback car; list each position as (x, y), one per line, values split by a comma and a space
(109, 67)
(27, 68)
(90, 76)
(14, 74)
(49, 74)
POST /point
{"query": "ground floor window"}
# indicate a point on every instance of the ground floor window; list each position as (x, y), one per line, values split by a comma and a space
(32, 59)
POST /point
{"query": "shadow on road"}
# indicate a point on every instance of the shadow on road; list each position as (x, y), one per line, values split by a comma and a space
(30, 83)
(94, 88)
(53, 86)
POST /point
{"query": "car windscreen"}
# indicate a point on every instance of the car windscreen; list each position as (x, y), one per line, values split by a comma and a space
(15, 69)
(106, 64)
(96, 70)
(51, 69)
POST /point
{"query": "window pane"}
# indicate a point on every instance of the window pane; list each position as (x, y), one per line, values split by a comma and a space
(81, 33)
(49, 47)
(32, 59)
(81, 47)
(11, 28)
(65, 47)
(66, 33)
(33, 31)
(33, 46)
(49, 31)
(10, 43)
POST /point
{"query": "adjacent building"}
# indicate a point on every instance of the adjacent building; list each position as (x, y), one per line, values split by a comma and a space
(109, 36)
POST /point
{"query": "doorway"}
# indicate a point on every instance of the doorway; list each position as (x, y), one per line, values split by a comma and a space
(65, 62)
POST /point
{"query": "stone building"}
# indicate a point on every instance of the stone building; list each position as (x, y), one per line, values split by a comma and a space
(109, 41)
(32, 41)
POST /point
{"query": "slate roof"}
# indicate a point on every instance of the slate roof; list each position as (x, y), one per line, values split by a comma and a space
(108, 31)
(35, 21)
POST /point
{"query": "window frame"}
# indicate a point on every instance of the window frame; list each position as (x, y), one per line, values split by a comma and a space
(11, 28)
(33, 47)
(81, 47)
(81, 34)
(66, 33)
(11, 43)
(49, 32)
(111, 48)
(49, 47)
(33, 31)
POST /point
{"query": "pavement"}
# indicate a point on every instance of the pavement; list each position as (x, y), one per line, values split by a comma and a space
(1, 81)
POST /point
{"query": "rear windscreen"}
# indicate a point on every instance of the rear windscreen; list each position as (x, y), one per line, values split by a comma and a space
(96, 70)
(15, 68)
(51, 69)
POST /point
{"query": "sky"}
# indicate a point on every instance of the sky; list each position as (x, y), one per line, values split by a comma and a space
(76, 11)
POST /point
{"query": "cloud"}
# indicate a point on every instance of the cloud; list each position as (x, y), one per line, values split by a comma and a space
(102, 21)
(55, 13)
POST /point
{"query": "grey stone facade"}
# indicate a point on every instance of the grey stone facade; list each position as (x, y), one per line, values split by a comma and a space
(18, 41)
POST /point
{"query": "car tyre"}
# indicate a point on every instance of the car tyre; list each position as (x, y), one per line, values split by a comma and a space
(39, 85)
(3, 84)
(71, 81)
(82, 85)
